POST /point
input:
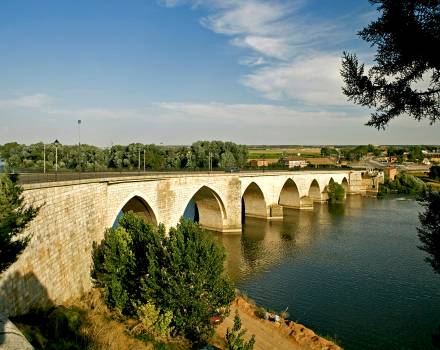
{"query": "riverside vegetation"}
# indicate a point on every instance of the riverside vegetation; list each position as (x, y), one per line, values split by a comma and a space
(172, 284)
(402, 184)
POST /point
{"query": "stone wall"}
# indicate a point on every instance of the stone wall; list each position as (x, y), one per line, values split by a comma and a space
(56, 264)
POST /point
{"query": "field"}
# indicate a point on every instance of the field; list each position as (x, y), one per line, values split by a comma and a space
(277, 152)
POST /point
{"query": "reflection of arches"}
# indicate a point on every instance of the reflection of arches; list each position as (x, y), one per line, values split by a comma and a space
(206, 208)
(140, 207)
(289, 195)
(315, 191)
(253, 202)
(344, 184)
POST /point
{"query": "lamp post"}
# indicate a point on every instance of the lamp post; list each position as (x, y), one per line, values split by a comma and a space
(144, 160)
(79, 148)
(56, 143)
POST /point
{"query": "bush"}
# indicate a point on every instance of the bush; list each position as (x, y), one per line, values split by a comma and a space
(434, 172)
(181, 275)
(234, 337)
(154, 322)
(260, 312)
(336, 192)
(402, 184)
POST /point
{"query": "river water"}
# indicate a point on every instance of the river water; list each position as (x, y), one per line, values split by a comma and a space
(351, 271)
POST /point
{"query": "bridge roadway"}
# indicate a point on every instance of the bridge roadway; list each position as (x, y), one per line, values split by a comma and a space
(56, 264)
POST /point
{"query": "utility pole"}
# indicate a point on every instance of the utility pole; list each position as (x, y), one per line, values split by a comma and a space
(44, 158)
(139, 160)
(144, 160)
(79, 148)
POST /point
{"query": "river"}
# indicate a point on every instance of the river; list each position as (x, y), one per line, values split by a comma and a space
(352, 272)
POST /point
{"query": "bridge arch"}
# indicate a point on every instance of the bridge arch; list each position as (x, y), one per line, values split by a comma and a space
(253, 202)
(315, 191)
(289, 195)
(136, 203)
(207, 208)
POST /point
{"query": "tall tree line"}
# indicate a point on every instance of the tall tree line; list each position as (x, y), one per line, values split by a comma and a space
(124, 157)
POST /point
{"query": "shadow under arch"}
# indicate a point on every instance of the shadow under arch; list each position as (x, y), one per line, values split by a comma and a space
(207, 208)
(289, 195)
(139, 207)
(253, 203)
(315, 191)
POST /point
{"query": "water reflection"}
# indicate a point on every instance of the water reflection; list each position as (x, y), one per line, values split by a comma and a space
(265, 243)
(348, 269)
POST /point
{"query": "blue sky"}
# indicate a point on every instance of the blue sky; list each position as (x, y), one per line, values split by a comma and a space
(176, 71)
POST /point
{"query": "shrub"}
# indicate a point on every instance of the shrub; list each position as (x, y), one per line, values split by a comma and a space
(336, 192)
(402, 184)
(181, 274)
(234, 337)
(260, 312)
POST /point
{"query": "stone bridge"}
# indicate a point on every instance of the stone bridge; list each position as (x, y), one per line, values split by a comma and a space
(56, 264)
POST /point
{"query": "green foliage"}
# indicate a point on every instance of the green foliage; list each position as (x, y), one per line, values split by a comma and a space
(234, 337)
(434, 172)
(55, 329)
(260, 312)
(404, 34)
(329, 151)
(336, 192)
(403, 184)
(137, 264)
(154, 321)
(129, 157)
(429, 231)
(14, 217)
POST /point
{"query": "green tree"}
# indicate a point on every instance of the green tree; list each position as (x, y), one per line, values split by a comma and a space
(429, 231)
(181, 273)
(405, 35)
(434, 172)
(235, 337)
(227, 160)
(336, 192)
(14, 217)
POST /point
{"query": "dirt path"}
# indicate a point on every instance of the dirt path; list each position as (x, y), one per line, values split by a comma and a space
(271, 335)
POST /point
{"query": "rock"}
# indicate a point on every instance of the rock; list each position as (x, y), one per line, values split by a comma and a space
(10, 336)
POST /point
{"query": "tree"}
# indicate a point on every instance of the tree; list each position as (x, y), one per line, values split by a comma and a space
(234, 337)
(181, 273)
(434, 172)
(14, 217)
(429, 231)
(406, 35)
(227, 160)
(336, 192)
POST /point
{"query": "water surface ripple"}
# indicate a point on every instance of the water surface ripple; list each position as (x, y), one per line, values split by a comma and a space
(351, 271)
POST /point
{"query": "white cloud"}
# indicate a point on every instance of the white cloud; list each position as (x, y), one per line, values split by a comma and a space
(288, 42)
(29, 101)
(252, 61)
(314, 80)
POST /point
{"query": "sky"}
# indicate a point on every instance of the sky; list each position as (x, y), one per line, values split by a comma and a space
(178, 71)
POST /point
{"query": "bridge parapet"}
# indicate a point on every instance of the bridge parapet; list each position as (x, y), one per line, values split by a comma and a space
(76, 213)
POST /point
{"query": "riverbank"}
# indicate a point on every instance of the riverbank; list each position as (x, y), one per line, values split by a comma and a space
(88, 323)
(282, 335)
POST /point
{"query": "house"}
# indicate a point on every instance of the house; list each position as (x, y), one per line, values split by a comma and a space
(390, 172)
(259, 162)
(295, 162)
